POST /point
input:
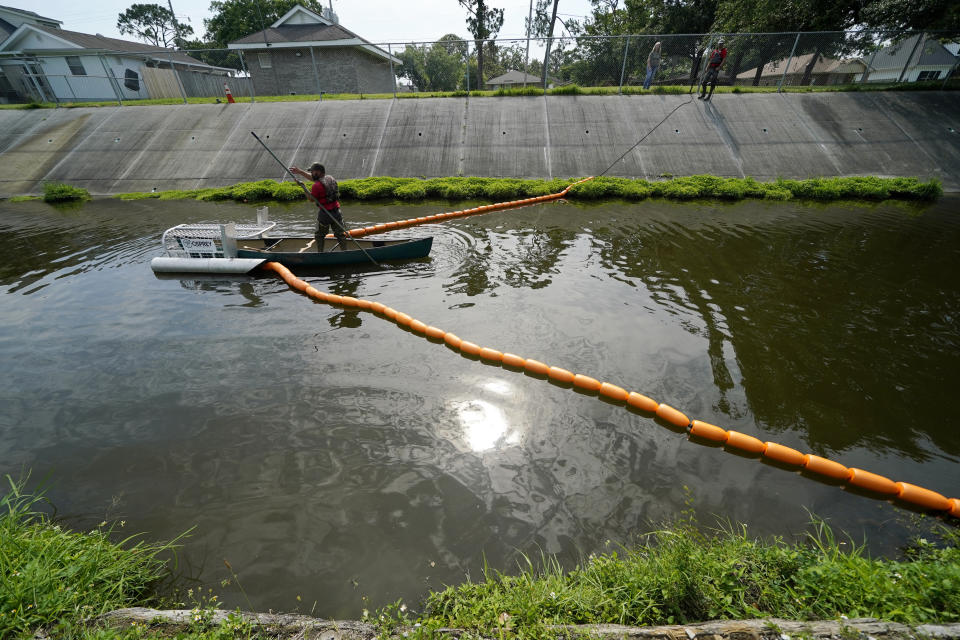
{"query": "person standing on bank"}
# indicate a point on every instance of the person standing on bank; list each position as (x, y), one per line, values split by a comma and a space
(653, 63)
(327, 195)
(717, 56)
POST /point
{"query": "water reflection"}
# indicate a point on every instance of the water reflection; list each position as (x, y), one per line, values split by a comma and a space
(484, 424)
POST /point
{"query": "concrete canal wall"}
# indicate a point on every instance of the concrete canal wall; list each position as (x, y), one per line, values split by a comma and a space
(121, 149)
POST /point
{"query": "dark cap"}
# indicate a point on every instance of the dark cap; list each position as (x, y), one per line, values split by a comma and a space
(316, 166)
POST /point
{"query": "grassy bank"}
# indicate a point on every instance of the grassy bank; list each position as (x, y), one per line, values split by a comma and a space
(53, 577)
(565, 90)
(501, 189)
(59, 580)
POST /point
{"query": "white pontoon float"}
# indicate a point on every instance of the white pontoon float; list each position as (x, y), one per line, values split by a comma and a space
(210, 248)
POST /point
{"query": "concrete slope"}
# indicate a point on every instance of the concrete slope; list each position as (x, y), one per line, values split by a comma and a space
(121, 149)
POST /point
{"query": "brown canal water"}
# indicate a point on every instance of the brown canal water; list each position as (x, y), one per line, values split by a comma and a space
(330, 455)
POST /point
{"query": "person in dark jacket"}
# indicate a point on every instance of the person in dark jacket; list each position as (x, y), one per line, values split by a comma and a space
(327, 195)
(714, 62)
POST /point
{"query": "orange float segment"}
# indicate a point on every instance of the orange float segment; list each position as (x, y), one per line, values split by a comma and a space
(560, 375)
(434, 332)
(513, 360)
(377, 307)
(349, 301)
(642, 402)
(419, 327)
(783, 454)
(469, 348)
(954, 507)
(536, 367)
(673, 416)
(922, 497)
(872, 482)
(390, 313)
(824, 467)
(613, 392)
(491, 354)
(708, 431)
(363, 304)
(452, 340)
(744, 442)
(403, 319)
(332, 298)
(586, 382)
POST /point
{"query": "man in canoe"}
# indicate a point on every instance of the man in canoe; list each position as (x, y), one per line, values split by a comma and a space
(327, 195)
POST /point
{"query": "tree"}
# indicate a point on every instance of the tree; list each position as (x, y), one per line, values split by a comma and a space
(920, 15)
(436, 67)
(234, 19)
(832, 17)
(211, 54)
(484, 23)
(154, 24)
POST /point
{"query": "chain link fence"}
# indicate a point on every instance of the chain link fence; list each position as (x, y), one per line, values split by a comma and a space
(612, 64)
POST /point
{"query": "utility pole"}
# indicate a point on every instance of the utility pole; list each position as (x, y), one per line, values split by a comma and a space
(526, 57)
(176, 29)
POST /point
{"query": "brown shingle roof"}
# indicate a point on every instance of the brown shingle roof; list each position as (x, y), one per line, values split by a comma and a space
(299, 33)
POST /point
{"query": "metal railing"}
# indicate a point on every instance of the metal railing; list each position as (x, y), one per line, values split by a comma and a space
(622, 64)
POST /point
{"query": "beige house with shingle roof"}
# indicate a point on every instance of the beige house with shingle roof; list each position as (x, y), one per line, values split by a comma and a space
(826, 71)
(306, 53)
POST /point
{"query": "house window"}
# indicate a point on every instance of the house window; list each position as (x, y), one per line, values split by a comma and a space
(928, 75)
(265, 61)
(76, 66)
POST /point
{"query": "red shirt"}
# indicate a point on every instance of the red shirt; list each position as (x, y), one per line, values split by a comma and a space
(319, 191)
(717, 56)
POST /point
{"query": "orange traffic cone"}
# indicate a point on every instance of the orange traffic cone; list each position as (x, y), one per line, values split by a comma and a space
(229, 95)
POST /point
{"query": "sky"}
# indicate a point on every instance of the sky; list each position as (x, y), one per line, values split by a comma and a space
(377, 21)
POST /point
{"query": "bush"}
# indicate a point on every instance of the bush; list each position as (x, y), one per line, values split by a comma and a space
(255, 191)
(867, 188)
(636, 190)
(60, 192)
(216, 194)
(776, 193)
(500, 190)
(506, 189)
(288, 192)
(371, 188)
(139, 195)
(410, 191)
(679, 191)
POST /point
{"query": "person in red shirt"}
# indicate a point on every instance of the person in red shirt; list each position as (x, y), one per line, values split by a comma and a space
(327, 195)
(714, 62)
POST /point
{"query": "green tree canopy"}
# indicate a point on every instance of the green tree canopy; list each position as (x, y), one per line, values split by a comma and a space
(435, 67)
(153, 24)
(921, 15)
(234, 19)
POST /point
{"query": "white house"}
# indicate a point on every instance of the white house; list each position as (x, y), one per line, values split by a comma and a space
(55, 65)
(928, 60)
(11, 18)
